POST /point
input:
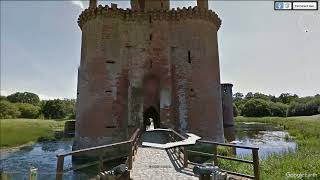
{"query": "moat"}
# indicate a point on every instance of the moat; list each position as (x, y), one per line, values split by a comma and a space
(269, 138)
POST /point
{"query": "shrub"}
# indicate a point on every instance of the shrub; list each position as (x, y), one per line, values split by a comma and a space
(8, 110)
(28, 110)
(278, 109)
(256, 108)
(54, 109)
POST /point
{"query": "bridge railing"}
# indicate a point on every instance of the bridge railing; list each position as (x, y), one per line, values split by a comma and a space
(132, 142)
(175, 136)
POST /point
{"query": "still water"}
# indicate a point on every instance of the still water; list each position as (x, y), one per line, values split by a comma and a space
(269, 138)
(16, 165)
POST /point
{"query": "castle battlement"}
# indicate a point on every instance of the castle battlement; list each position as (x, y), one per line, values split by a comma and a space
(156, 15)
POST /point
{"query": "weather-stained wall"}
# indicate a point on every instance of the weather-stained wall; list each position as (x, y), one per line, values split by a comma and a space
(121, 49)
(227, 108)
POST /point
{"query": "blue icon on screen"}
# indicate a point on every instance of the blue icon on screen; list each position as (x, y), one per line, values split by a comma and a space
(279, 5)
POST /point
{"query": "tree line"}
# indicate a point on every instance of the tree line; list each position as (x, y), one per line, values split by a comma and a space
(285, 105)
(29, 105)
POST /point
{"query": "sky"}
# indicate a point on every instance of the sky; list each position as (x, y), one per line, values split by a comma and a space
(260, 50)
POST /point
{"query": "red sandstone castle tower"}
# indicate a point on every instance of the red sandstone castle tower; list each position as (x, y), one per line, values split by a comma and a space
(148, 62)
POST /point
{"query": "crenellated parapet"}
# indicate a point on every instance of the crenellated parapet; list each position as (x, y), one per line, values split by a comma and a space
(157, 15)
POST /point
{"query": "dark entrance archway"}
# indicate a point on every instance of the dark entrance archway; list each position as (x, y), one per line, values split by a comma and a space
(152, 113)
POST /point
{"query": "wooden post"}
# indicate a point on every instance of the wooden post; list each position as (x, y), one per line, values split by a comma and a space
(130, 156)
(185, 157)
(100, 163)
(59, 172)
(255, 157)
(215, 152)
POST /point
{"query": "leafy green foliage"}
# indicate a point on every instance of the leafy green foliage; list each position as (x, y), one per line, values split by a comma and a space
(278, 109)
(256, 108)
(8, 110)
(284, 105)
(25, 97)
(54, 109)
(28, 110)
(235, 110)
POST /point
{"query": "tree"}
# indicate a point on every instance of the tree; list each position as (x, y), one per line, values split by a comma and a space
(70, 105)
(296, 109)
(260, 96)
(28, 110)
(25, 97)
(249, 95)
(54, 109)
(8, 110)
(235, 110)
(256, 108)
(287, 98)
(278, 109)
(237, 96)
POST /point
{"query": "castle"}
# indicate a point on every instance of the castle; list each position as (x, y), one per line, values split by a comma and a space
(149, 62)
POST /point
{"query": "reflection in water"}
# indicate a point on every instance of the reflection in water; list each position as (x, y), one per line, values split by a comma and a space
(269, 138)
(16, 165)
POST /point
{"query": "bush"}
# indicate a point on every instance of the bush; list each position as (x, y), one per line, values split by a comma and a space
(278, 109)
(8, 110)
(256, 108)
(28, 110)
(54, 109)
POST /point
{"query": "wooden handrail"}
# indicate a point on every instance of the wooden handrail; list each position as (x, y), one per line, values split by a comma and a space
(215, 155)
(229, 145)
(131, 141)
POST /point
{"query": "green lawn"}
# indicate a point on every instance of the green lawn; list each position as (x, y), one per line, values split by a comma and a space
(15, 132)
(306, 159)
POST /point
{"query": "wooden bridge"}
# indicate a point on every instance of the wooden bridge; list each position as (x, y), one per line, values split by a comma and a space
(158, 163)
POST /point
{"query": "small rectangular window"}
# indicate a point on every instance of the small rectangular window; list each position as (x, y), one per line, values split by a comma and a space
(110, 62)
(189, 57)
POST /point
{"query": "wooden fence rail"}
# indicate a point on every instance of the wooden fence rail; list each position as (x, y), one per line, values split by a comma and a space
(132, 142)
(183, 150)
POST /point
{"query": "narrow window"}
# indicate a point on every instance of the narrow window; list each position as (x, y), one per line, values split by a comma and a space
(110, 62)
(108, 91)
(189, 57)
(151, 64)
(150, 20)
(150, 37)
(161, 4)
(110, 127)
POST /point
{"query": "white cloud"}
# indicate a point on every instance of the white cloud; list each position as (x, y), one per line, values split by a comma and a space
(78, 3)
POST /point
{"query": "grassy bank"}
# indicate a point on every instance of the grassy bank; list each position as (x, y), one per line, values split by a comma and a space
(15, 132)
(305, 160)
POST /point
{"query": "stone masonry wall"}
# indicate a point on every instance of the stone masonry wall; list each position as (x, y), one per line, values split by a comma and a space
(120, 48)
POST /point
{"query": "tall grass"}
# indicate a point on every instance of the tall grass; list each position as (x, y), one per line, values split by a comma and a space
(14, 132)
(305, 160)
